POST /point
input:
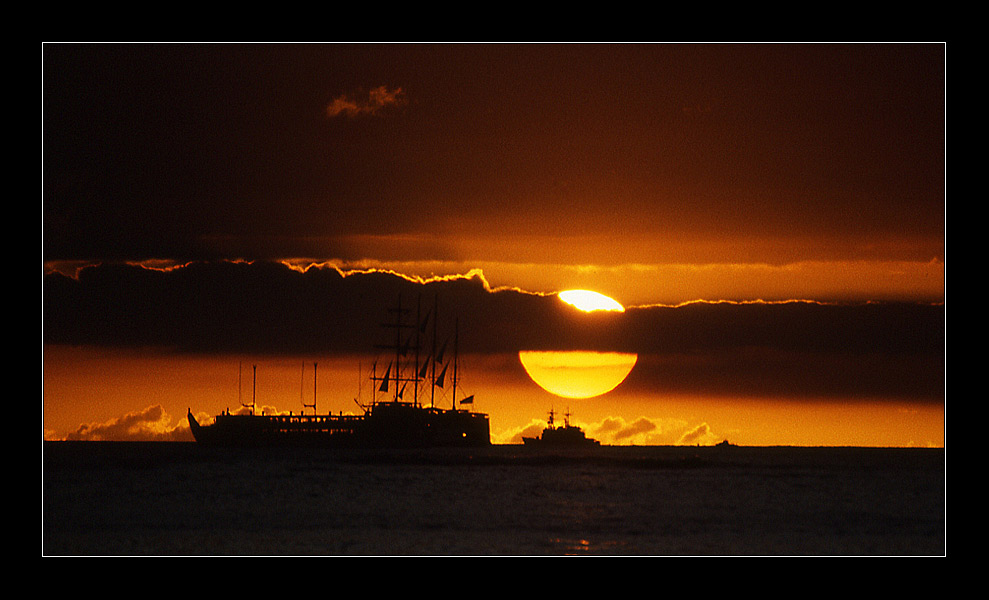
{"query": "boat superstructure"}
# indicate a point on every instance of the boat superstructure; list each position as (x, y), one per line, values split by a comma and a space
(565, 435)
(396, 416)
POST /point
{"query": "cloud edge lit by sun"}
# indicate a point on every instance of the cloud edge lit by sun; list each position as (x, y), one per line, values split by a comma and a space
(590, 301)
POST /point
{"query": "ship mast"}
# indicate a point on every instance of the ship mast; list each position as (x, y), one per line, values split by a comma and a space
(456, 355)
(398, 345)
(415, 365)
(401, 350)
(374, 379)
(397, 373)
(301, 393)
(254, 392)
(432, 358)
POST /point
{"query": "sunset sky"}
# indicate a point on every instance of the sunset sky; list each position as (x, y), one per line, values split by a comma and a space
(772, 217)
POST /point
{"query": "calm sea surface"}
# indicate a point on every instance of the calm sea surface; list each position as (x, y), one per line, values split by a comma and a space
(182, 499)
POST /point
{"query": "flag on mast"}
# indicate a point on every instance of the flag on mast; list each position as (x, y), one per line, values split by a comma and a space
(439, 380)
(384, 382)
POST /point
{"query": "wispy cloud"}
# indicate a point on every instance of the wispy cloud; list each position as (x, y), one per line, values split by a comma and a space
(700, 435)
(377, 100)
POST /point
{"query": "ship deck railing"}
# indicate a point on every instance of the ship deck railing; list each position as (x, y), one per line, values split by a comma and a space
(301, 419)
(308, 425)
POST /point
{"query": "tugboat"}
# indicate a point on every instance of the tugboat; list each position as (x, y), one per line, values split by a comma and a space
(566, 436)
(395, 422)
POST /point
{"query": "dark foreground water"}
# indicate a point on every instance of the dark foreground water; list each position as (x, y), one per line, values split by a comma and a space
(182, 499)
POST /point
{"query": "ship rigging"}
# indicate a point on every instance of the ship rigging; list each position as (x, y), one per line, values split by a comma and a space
(394, 421)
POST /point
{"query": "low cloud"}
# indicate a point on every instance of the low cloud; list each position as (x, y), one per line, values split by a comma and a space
(698, 436)
(641, 426)
(616, 431)
(643, 431)
(152, 424)
(378, 99)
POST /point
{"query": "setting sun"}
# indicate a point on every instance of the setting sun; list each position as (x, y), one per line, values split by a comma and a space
(588, 301)
(580, 374)
(577, 374)
(619, 293)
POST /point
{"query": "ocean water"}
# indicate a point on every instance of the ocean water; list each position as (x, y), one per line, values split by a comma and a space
(150, 499)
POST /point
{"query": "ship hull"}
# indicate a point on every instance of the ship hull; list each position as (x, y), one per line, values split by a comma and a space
(386, 425)
(561, 437)
(585, 443)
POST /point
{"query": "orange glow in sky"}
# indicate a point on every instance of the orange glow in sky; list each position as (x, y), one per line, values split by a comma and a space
(119, 396)
(812, 173)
